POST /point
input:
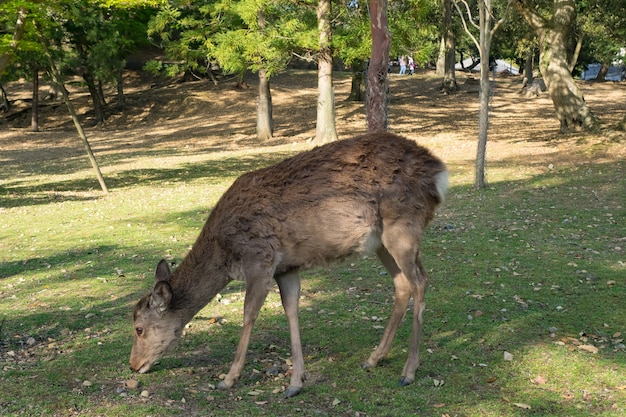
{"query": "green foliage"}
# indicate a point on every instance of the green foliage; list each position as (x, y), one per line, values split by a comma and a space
(414, 28)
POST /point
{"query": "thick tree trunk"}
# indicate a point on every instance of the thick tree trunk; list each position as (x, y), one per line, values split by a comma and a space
(357, 88)
(440, 65)
(325, 130)
(264, 120)
(34, 116)
(449, 83)
(377, 101)
(555, 63)
(528, 69)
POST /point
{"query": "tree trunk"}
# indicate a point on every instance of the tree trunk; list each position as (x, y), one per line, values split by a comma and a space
(555, 62)
(264, 121)
(449, 84)
(357, 89)
(58, 79)
(20, 25)
(485, 93)
(377, 101)
(5, 104)
(440, 65)
(120, 89)
(602, 73)
(528, 69)
(34, 117)
(325, 128)
(94, 91)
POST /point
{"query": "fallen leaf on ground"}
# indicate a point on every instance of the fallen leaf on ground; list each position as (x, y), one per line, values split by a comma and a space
(539, 380)
(588, 348)
(522, 405)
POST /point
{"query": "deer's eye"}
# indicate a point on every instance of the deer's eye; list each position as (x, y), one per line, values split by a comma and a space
(139, 331)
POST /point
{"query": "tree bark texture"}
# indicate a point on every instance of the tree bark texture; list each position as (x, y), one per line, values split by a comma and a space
(325, 129)
(377, 100)
(95, 92)
(34, 116)
(357, 88)
(555, 62)
(264, 120)
(449, 83)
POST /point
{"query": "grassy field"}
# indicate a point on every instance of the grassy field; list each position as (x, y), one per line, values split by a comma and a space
(525, 307)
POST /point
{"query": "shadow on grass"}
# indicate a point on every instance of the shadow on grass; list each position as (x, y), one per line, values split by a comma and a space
(18, 193)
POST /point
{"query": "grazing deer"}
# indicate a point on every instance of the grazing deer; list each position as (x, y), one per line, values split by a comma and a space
(374, 193)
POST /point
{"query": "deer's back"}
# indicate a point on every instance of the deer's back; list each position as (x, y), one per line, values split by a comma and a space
(327, 203)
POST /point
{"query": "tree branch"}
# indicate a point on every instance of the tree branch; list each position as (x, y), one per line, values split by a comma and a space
(469, 14)
(533, 18)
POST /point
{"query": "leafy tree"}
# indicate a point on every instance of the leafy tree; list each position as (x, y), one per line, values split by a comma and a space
(352, 42)
(602, 25)
(447, 52)
(9, 41)
(554, 23)
(262, 43)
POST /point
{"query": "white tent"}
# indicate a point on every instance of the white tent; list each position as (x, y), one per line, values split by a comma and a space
(501, 66)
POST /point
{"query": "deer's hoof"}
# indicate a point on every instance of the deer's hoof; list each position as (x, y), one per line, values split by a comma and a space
(367, 365)
(292, 391)
(222, 386)
(404, 381)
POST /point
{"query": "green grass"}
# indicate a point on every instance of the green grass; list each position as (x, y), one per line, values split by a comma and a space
(534, 251)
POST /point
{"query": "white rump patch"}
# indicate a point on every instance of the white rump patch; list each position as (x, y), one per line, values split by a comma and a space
(371, 243)
(442, 183)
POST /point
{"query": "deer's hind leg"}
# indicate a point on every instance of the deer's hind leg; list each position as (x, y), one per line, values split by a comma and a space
(289, 285)
(401, 301)
(400, 256)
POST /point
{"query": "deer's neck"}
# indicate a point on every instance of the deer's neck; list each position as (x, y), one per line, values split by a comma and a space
(199, 278)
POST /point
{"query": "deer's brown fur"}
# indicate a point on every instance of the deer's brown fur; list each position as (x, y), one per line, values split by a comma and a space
(375, 194)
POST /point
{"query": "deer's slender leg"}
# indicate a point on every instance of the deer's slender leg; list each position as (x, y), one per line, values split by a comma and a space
(403, 294)
(256, 292)
(289, 285)
(419, 291)
(400, 256)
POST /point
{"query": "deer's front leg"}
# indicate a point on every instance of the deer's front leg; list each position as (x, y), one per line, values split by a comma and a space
(289, 285)
(256, 292)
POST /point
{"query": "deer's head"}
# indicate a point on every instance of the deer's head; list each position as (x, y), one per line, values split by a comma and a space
(156, 325)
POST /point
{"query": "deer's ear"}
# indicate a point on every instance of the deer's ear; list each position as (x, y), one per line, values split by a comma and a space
(161, 297)
(162, 271)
